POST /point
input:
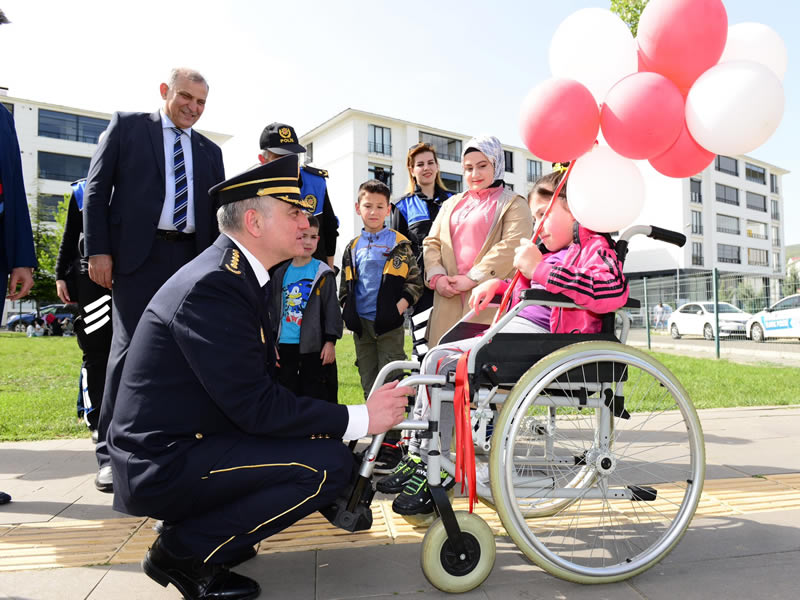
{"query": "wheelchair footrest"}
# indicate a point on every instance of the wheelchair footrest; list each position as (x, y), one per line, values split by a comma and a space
(351, 511)
(642, 493)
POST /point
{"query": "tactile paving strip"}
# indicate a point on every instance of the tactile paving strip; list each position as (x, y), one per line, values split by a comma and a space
(81, 543)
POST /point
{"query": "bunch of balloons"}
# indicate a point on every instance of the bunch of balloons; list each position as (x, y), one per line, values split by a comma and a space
(686, 89)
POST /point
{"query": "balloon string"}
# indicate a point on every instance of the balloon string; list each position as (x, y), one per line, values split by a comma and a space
(509, 290)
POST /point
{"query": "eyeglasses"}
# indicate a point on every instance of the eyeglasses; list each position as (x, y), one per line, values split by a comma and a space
(422, 146)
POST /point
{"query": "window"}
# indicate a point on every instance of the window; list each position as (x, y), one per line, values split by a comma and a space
(759, 258)
(381, 173)
(756, 202)
(9, 106)
(380, 140)
(446, 148)
(727, 194)
(451, 182)
(776, 262)
(509, 186)
(757, 230)
(65, 126)
(728, 254)
(697, 254)
(310, 152)
(47, 206)
(509, 156)
(776, 213)
(726, 164)
(776, 235)
(727, 224)
(773, 183)
(534, 170)
(62, 167)
(696, 195)
(755, 174)
(697, 222)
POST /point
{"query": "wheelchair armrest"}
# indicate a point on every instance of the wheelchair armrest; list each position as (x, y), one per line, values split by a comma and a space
(540, 296)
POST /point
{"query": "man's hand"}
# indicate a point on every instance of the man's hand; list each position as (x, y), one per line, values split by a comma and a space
(100, 267)
(22, 277)
(328, 354)
(527, 257)
(387, 406)
(483, 294)
(445, 288)
(63, 292)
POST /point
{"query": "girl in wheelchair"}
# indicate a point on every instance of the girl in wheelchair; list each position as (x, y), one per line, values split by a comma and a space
(578, 263)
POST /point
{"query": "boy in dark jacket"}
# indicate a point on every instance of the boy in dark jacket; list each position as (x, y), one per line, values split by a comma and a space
(304, 295)
(380, 280)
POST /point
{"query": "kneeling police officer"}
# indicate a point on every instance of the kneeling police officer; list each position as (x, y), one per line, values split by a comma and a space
(203, 436)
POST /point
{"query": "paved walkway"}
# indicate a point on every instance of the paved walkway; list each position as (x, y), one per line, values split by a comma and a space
(743, 543)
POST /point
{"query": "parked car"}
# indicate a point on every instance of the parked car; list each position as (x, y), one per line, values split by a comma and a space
(697, 318)
(782, 319)
(20, 322)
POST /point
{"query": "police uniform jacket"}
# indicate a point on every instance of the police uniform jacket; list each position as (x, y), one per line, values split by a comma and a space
(313, 185)
(201, 364)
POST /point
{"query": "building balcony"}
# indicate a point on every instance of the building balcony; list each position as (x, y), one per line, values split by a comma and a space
(757, 236)
(733, 261)
(376, 148)
(728, 230)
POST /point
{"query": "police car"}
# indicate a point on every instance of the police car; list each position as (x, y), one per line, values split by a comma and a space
(780, 320)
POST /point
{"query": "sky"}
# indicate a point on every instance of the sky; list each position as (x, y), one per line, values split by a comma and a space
(463, 66)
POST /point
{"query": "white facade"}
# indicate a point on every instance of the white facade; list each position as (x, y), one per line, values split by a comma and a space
(343, 147)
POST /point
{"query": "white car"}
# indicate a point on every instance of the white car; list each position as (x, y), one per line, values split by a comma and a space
(782, 319)
(697, 318)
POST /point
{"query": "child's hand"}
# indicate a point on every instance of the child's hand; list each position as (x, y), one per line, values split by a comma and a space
(527, 257)
(483, 295)
(462, 283)
(402, 305)
(445, 288)
(328, 354)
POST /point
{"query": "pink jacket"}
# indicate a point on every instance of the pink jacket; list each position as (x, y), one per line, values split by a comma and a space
(591, 275)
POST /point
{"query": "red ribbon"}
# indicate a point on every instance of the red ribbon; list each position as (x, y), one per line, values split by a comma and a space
(465, 449)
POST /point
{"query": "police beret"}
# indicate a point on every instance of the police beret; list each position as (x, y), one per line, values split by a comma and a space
(280, 138)
(278, 179)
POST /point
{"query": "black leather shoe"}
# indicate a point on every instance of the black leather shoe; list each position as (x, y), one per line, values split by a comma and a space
(194, 579)
(104, 481)
(4, 498)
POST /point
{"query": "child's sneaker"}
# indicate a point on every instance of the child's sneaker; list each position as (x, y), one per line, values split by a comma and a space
(389, 456)
(416, 498)
(395, 481)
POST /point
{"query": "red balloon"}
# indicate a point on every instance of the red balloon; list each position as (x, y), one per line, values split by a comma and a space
(681, 39)
(684, 158)
(642, 115)
(559, 120)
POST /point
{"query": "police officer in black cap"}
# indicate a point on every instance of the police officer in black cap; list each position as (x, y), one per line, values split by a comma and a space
(202, 435)
(279, 139)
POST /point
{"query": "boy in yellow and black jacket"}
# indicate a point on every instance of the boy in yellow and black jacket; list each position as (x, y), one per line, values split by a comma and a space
(380, 279)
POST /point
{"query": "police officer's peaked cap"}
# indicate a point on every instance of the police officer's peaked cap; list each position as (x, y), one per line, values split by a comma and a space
(280, 138)
(278, 179)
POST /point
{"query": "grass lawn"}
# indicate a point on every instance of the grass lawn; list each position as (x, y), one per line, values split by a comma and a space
(39, 384)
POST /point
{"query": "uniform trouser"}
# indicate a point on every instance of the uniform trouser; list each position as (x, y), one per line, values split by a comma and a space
(374, 351)
(442, 359)
(305, 374)
(93, 332)
(254, 488)
(130, 295)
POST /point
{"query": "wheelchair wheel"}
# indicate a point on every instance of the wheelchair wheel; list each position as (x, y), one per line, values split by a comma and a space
(602, 443)
(455, 573)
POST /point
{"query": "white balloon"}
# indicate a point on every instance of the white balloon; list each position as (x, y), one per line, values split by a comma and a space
(756, 42)
(595, 47)
(605, 191)
(734, 107)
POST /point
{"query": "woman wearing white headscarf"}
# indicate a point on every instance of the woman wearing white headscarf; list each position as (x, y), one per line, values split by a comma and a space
(474, 236)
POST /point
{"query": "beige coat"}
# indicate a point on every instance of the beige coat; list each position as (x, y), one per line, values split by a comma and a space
(512, 222)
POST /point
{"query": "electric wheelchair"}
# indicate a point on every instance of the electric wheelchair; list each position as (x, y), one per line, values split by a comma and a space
(590, 451)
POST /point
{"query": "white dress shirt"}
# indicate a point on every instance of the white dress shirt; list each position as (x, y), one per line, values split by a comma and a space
(358, 420)
(166, 219)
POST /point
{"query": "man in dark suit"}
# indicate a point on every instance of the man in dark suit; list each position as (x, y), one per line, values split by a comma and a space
(147, 213)
(203, 436)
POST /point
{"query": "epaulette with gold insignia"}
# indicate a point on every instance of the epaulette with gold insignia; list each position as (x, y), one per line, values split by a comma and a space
(232, 260)
(315, 171)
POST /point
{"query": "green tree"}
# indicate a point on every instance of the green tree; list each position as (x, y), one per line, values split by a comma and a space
(47, 239)
(791, 285)
(629, 11)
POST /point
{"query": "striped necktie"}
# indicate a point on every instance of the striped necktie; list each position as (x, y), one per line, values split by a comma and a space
(181, 184)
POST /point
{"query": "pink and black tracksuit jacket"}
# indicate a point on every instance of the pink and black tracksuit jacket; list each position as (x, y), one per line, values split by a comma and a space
(591, 275)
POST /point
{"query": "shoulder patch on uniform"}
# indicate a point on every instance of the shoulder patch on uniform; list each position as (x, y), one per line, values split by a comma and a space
(315, 171)
(232, 261)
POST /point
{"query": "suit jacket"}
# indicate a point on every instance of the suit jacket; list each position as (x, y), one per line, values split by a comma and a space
(201, 364)
(15, 222)
(125, 190)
